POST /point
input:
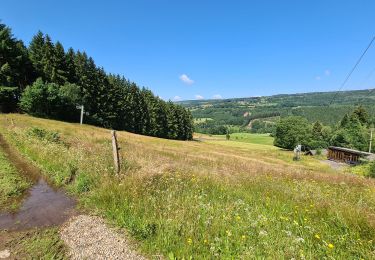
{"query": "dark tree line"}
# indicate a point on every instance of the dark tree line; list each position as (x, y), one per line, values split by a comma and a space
(48, 81)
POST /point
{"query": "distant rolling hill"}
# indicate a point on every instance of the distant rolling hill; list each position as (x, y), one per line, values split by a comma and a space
(314, 106)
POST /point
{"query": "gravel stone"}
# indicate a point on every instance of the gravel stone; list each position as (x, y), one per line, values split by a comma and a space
(4, 253)
(88, 237)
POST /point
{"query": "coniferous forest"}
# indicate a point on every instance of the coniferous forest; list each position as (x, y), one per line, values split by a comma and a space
(46, 80)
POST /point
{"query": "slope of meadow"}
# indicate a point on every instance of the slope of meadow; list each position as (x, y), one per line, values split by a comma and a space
(210, 198)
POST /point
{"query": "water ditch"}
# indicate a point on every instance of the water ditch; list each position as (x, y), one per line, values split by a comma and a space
(43, 205)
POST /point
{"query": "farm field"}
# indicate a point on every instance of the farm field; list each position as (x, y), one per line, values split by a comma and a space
(213, 198)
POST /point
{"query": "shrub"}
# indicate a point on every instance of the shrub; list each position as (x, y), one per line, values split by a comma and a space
(51, 100)
(42, 134)
(291, 131)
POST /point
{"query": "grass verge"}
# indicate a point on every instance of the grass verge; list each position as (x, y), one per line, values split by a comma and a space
(12, 185)
(35, 244)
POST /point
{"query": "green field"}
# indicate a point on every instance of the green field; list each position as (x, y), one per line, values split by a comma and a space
(249, 138)
(206, 199)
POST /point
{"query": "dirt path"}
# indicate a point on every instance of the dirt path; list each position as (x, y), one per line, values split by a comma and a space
(335, 165)
(42, 205)
(88, 237)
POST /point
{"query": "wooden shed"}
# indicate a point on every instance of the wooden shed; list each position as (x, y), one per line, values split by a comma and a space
(346, 155)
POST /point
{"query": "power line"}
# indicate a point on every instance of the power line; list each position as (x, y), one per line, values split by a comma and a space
(352, 70)
(362, 84)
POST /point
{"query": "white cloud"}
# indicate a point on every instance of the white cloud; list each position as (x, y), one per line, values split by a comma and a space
(217, 96)
(327, 72)
(318, 78)
(176, 98)
(184, 78)
(199, 97)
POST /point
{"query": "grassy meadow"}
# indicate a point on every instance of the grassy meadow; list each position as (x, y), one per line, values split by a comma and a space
(205, 199)
(265, 139)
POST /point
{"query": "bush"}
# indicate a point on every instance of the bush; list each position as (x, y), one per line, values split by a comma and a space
(51, 100)
(43, 134)
(291, 131)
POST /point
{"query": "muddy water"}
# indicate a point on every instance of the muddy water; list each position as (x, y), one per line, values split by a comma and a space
(42, 205)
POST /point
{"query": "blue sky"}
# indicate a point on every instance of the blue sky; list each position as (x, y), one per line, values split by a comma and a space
(205, 49)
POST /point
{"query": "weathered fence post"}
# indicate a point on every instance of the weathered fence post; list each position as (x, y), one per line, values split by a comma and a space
(115, 148)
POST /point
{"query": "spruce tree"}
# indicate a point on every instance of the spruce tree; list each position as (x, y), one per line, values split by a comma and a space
(36, 52)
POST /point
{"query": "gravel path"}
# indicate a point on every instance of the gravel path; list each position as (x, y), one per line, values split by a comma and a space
(88, 237)
(335, 165)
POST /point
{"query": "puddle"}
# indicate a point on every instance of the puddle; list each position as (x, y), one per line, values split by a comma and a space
(43, 207)
(42, 204)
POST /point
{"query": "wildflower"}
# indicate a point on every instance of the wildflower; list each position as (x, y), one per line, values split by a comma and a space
(228, 233)
(288, 233)
(330, 246)
(238, 217)
(305, 219)
(263, 233)
(189, 241)
(243, 237)
(317, 236)
(299, 240)
(205, 241)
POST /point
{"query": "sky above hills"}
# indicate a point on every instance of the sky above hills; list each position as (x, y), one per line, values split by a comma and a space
(212, 49)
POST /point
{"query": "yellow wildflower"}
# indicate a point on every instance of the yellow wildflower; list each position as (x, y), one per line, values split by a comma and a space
(243, 237)
(317, 236)
(189, 241)
(238, 218)
(330, 246)
(205, 241)
(228, 233)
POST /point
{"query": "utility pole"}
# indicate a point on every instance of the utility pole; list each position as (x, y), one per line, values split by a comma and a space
(369, 148)
(81, 119)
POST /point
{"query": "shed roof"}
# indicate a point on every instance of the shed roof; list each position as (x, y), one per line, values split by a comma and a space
(342, 149)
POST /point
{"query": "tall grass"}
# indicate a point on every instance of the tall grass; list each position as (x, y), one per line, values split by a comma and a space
(213, 199)
(12, 184)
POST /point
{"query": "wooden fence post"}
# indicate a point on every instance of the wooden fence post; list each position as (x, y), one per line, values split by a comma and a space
(115, 148)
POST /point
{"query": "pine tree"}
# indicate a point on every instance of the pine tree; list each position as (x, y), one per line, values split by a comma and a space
(344, 121)
(36, 52)
(362, 115)
(70, 66)
(48, 61)
(15, 67)
(60, 66)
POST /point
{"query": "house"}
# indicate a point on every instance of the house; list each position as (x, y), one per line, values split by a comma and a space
(347, 155)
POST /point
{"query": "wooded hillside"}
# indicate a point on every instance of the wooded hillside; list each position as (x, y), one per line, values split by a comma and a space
(326, 107)
(45, 80)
